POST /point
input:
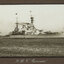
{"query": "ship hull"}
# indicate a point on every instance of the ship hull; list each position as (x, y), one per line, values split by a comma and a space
(36, 36)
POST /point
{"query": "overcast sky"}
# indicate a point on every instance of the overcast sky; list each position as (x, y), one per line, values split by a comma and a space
(46, 17)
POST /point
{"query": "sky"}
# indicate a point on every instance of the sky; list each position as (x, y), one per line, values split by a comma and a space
(46, 17)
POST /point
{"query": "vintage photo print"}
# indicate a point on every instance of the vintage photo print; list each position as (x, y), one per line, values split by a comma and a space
(31, 30)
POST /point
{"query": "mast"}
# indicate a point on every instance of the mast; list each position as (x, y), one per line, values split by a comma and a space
(16, 29)
(31, 17)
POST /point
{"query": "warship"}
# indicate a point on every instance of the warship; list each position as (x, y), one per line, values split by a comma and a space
(28, 30)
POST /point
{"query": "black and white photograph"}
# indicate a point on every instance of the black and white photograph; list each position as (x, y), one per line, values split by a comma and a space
(31, 30)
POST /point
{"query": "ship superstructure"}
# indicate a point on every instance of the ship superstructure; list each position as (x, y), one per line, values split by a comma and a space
(26, 28)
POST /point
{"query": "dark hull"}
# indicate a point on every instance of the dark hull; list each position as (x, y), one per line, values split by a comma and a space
(37, 36)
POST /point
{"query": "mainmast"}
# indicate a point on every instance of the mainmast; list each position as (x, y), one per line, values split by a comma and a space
(16, 29)
(31, 17)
